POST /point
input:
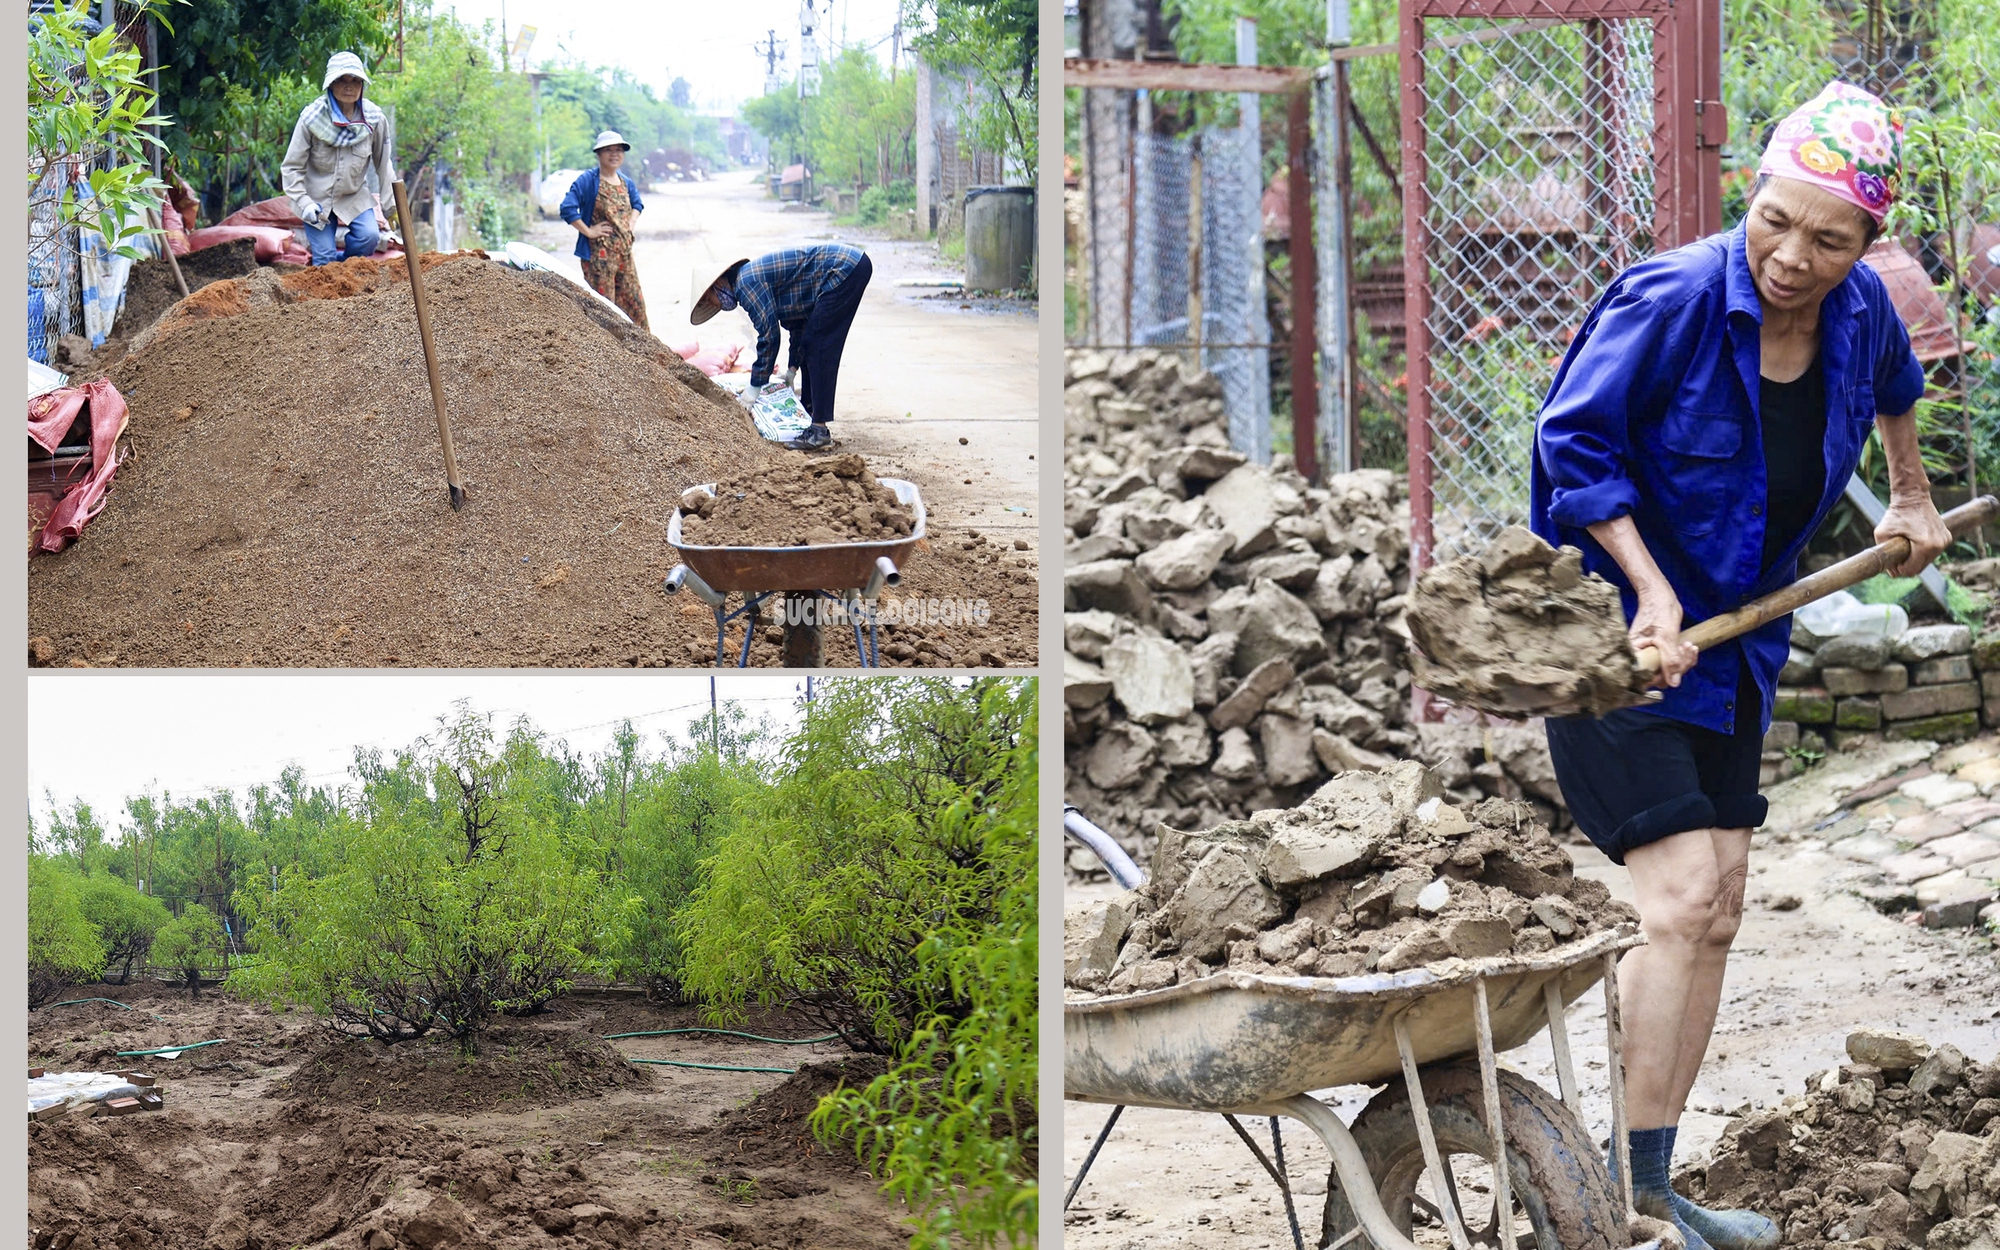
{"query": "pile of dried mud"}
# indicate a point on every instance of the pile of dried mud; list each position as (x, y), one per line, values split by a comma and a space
(1374, 872)
(796, 501)
(773, 1126)
(1521, 630)
(1898, 1147)
(512, 1068)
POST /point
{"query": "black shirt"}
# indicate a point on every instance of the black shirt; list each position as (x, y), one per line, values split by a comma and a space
(1793, 415)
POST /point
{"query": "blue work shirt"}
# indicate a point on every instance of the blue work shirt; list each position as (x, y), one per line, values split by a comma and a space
(779, 289)
(580, 202)
(1653, 415)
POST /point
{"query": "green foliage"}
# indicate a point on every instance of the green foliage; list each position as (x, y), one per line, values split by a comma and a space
(997, 41)
(224, 55)
(63, 946)
(952, 1124)
(679, 808)
(127, 921)
(858, 128)
(876, 202)
(869, 841)
(470, 893)
(190, 944)
(1967, 606)
(89, 152)
(452, 105)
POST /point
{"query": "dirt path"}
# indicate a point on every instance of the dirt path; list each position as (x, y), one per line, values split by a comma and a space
(257, 1146)
(1800, 979)
(920, 373)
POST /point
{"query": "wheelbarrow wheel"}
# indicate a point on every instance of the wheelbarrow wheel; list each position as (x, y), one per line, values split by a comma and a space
(1559, 1178)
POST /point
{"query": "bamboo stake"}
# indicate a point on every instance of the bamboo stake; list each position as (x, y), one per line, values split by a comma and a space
(403, 220)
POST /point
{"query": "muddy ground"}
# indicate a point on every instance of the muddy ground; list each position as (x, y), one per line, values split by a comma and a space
(285, 1137)
(1812, 962)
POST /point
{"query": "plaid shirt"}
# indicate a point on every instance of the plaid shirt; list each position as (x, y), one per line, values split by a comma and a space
(779, 290)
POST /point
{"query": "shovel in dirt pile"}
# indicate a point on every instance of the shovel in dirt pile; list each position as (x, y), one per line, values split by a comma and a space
(1520, 630)
(403, 220)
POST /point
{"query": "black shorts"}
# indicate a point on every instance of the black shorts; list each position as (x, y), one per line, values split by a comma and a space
(1632, 778)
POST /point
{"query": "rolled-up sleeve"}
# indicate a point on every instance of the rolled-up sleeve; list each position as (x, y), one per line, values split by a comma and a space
(1899, 375)
(1583, 439)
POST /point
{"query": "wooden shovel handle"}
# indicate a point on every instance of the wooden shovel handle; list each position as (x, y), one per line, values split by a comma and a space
(1858, 568)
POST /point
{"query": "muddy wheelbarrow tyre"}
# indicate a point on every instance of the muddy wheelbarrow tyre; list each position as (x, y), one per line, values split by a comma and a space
(1559, 1177)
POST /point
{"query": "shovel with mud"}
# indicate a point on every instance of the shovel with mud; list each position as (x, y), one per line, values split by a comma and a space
(1521, 630)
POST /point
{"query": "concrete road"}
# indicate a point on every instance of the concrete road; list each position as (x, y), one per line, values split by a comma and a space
(930, 390)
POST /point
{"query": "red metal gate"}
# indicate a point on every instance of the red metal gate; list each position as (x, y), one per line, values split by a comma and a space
(1547, 145)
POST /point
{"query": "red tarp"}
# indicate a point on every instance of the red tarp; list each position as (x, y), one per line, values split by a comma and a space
(50, 417)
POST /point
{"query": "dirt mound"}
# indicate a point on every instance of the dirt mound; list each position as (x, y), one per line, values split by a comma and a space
(796, 501)
(283, 502)
(1522, 631)
(1888, 1156)
(89, 1036)
(773, 1126)
(515, 1067)
(1374, 873)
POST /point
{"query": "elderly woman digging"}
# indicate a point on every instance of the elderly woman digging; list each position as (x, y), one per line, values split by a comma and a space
(337, 138)
(1702, 426)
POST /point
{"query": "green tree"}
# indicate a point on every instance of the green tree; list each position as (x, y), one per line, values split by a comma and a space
(472, 892)
(998, 41)
(89, 146)
(453, 105)
(777, 118)
(127, 921)
(189, 943)
(855, 855)
(63, 946)
(952, 1126)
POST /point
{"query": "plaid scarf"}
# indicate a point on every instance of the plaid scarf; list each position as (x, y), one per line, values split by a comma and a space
(323, 118)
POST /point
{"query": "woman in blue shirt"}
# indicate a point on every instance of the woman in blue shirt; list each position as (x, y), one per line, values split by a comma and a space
(603, 205)
(1702, 425)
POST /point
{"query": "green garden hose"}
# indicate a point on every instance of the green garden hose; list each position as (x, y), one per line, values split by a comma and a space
(168, 1050)
(77, 1002)
(781, 1041)
(713, 1067)
(722, 1067)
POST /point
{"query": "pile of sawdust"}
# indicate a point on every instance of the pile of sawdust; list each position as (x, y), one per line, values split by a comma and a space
(1374, 872)
(1522, 631)
(796, 501)
(1899, 1147)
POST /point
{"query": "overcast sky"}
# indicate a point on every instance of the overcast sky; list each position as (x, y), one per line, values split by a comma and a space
(104, 737)
(709, 44)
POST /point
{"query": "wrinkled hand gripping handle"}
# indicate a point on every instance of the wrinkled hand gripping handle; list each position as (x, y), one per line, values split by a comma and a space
(1858, 568)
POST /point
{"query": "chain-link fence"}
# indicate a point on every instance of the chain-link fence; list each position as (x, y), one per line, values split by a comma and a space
(1174, 249)
(1537, 190)
(55, 303)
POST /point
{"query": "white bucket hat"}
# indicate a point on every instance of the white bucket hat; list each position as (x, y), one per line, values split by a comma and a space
(606, 138)
(341, 64)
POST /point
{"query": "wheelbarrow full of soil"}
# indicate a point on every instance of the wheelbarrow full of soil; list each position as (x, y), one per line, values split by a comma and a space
(829, 583)
(1242, 1044)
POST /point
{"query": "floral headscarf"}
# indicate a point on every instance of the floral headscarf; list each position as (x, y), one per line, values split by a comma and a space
(1845, 141)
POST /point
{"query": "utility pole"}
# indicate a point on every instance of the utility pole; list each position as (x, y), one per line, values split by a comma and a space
(503, 36)
(773, 52)
(714, 721)
(808, 51)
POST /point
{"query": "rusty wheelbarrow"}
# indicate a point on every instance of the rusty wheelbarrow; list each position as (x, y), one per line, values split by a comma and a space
(835, 583)
(1244, 1044)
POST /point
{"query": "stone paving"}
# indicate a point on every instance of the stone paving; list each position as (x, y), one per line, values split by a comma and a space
(1925, 838)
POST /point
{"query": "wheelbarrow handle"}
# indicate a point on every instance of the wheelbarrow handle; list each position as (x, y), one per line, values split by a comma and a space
(1857, 568)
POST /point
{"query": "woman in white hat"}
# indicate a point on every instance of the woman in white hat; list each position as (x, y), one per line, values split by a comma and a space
(603, 205)
(338, 137)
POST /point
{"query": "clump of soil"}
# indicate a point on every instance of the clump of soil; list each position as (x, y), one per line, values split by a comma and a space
(1374, 872)
(773, 1126)
(512, 1068)
(1888, 1156)
(1521, 630)
(796, 501)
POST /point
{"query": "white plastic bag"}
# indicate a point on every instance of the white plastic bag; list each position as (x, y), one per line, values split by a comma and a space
(779, 415)
(1841, 613)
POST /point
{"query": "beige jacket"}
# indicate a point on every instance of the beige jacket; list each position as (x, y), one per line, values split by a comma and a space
(317, 171)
